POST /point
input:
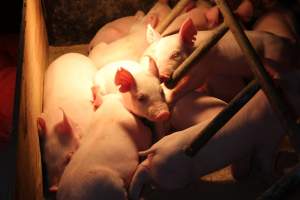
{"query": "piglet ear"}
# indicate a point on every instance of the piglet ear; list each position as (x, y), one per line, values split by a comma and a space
(187, 33)
(67, 129)
(152, 35)
(41, 125)
(125, 80)
(65, 126)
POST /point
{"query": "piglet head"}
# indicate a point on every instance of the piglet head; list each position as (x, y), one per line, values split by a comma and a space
(59, 141)
(142, 93)
(169, 52)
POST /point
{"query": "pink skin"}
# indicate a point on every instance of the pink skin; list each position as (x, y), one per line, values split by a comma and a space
(132, 45)
(139, 87)
(202, 16)
(109, 153)
(279, 22)
(206, 17)
(194, 108)
(67, 111)
(115, 29)
(169, 52)
(254, 130)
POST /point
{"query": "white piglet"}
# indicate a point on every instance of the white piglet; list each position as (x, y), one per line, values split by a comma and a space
(105, 162)
(139, 86)
(67, 111)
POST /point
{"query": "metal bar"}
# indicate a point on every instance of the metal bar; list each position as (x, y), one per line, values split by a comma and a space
(283, 186)
(223, 117)
(274, 97)
(173, 14)
(197, 54)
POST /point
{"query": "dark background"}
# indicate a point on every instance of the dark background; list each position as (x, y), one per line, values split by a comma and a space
(10, 24)
(10, 16)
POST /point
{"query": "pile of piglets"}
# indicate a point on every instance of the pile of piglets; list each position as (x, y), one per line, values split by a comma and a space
(92, 127)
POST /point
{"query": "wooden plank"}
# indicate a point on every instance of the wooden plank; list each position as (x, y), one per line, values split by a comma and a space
(29, 174)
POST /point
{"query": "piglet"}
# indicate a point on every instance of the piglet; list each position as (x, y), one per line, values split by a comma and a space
(205, 16)
(67, 111)
(132, 45)
(193, 109)
(115, 29)
(225, 58)
(139, 86)
(254, 131)
(105, 162)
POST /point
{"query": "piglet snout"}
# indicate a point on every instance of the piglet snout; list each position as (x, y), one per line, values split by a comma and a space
(162, 116)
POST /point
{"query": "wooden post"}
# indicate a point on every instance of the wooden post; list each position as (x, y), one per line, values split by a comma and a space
(223, 117)
(29, 183)
(173, 14)
(274, 97)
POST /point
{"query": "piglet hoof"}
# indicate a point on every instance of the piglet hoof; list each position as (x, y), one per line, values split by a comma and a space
(168, 95)
(53, 189)
(152, 19)
(97, 100)
(241, 168)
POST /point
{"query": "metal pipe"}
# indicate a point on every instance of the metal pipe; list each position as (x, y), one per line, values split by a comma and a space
(197, 54)
(172, 15)
(274, 97)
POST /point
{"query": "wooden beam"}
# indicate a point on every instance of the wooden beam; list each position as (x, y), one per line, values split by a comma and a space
(29, 182)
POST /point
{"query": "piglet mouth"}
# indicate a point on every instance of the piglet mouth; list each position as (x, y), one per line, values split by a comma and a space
(161, 116)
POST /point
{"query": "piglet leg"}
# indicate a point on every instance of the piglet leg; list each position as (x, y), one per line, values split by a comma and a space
(140, 178)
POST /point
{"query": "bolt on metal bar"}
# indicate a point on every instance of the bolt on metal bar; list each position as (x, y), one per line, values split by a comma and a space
(223, 117)
(172, 15)
(274, 97)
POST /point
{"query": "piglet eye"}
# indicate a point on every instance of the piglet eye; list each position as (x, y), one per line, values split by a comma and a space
(175, 55)
(141, 97)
